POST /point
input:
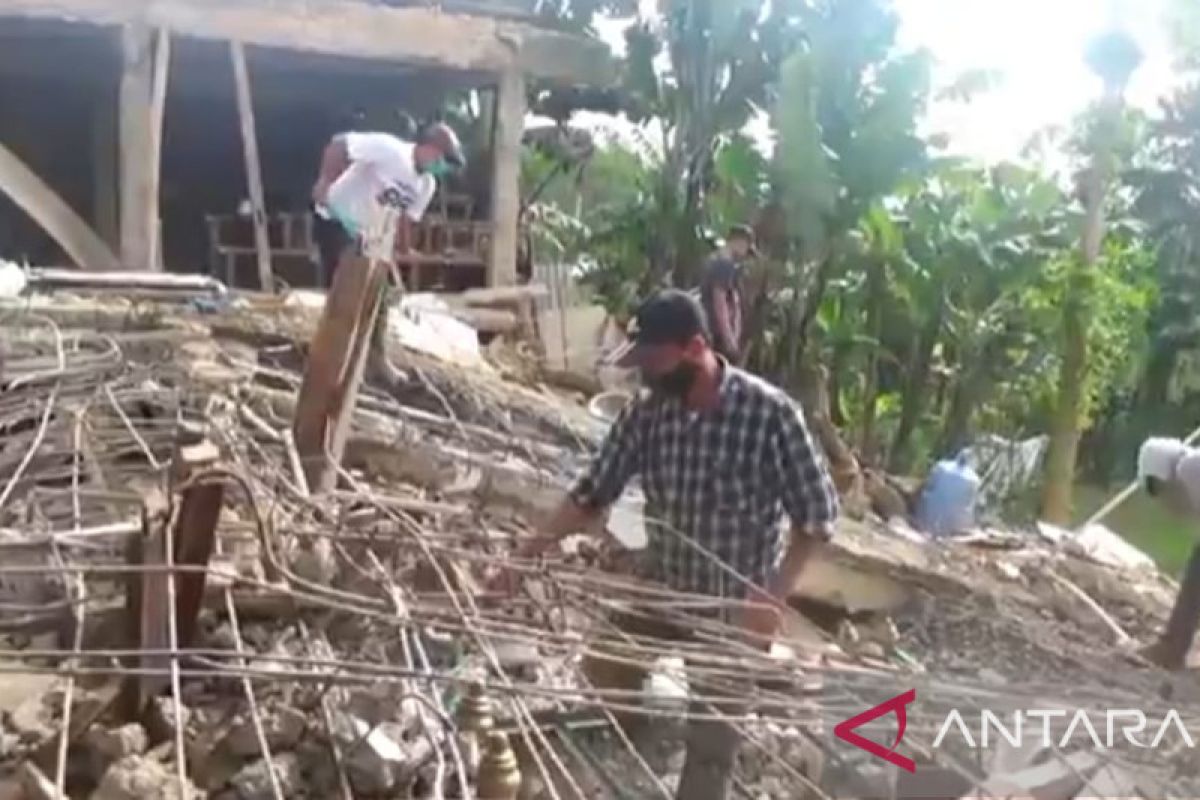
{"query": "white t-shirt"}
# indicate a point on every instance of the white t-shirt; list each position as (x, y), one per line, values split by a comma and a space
(382, 171)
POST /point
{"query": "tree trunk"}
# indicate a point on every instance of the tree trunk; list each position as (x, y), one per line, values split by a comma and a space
(1072, 377)
(916, 384)
(1064, 435)
(876, 296)
(973, 385)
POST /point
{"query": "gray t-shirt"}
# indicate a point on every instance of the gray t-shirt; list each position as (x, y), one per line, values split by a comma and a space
(721, 274)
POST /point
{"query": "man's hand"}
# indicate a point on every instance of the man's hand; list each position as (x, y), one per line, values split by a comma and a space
(320, 192)
(761, 617)
(507, 580)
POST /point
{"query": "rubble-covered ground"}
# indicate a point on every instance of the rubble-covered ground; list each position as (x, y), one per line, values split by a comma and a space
(336, 636)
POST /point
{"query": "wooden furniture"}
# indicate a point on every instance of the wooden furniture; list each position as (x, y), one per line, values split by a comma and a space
(448, 252)
(232, 254)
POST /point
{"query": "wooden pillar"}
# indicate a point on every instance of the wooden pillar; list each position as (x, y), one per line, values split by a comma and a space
(105, 213)
(506, 172)
(141, 103)
(262, 246)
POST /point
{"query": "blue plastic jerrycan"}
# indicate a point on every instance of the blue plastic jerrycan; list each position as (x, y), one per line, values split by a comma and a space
(947, 504)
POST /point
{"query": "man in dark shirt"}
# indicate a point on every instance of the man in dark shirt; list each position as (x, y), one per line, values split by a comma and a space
(721, 455)
(721, 291)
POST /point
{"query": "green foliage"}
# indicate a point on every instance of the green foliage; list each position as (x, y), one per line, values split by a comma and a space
(933, 289)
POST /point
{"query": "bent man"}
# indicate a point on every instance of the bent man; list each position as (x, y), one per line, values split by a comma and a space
(721, 455)
(1170, 471)
(362, 177)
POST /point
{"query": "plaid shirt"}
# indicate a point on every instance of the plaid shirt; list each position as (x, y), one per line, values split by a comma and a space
(721, 477)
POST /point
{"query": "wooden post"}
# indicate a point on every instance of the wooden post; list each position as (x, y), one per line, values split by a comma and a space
(262, 245)
(158, 108)
(104, 173)
(142, 98)
(336, 361)
(506, 173)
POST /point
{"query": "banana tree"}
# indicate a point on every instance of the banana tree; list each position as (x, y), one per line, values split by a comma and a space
(700, 72)
(846, 117)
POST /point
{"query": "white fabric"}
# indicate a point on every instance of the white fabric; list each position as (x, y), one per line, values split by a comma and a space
(379, 162)
(1187, 473)
(1159, 457)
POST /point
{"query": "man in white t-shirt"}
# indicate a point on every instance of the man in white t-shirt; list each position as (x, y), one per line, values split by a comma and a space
(363, 179)
(1170, 471)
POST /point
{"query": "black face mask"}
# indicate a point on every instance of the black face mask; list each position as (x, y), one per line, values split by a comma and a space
(676, 383)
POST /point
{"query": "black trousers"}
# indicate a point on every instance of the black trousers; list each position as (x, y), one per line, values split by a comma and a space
(332, 241)
(1180, 632)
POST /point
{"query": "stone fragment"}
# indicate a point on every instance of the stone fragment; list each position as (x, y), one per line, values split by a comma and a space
(254, 781)
(283, 728)
(161, 718)
(115, 744)
(141, 778)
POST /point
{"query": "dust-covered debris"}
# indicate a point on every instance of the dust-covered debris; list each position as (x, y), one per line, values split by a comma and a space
(346, 627)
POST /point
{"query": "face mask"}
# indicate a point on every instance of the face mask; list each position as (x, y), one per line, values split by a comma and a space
(676, 383)
(438, 168)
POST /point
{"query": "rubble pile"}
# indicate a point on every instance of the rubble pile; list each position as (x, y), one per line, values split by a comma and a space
(181, 617)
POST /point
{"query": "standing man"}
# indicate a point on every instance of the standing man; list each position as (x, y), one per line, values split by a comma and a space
(721, 291)
(1170, 471)
(721, 454)
(361, 177)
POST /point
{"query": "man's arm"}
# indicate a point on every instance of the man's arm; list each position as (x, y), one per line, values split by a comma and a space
(811, 501)
(403, 235)
(413, 214)
(335, 160)
(723, 324)
(617, 461)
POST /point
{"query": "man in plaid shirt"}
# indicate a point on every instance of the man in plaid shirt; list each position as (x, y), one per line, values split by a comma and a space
(721, 454)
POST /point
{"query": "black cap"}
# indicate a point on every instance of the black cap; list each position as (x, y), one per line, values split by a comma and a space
(670, 316)
(743, 232)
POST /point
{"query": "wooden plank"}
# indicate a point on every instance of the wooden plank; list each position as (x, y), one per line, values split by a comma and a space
(347, 27)
(333, 371)
(147, 594)
(262, 245)
(506, 173)
(47, 209)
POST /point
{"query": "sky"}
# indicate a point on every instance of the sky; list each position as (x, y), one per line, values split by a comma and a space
(1035, 47)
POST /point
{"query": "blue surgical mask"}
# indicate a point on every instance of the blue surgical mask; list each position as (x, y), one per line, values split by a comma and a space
(439, 168)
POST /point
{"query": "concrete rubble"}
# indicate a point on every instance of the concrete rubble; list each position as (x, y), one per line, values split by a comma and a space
(331, 640)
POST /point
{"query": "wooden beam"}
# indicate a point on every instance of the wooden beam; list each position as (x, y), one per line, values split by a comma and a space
(353, 28)
(262, 245)
(506, 175)
(46, 208)
(334, 369)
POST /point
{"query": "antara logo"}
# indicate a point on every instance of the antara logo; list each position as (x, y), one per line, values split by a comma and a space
(898, 705)
(1130, 721)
